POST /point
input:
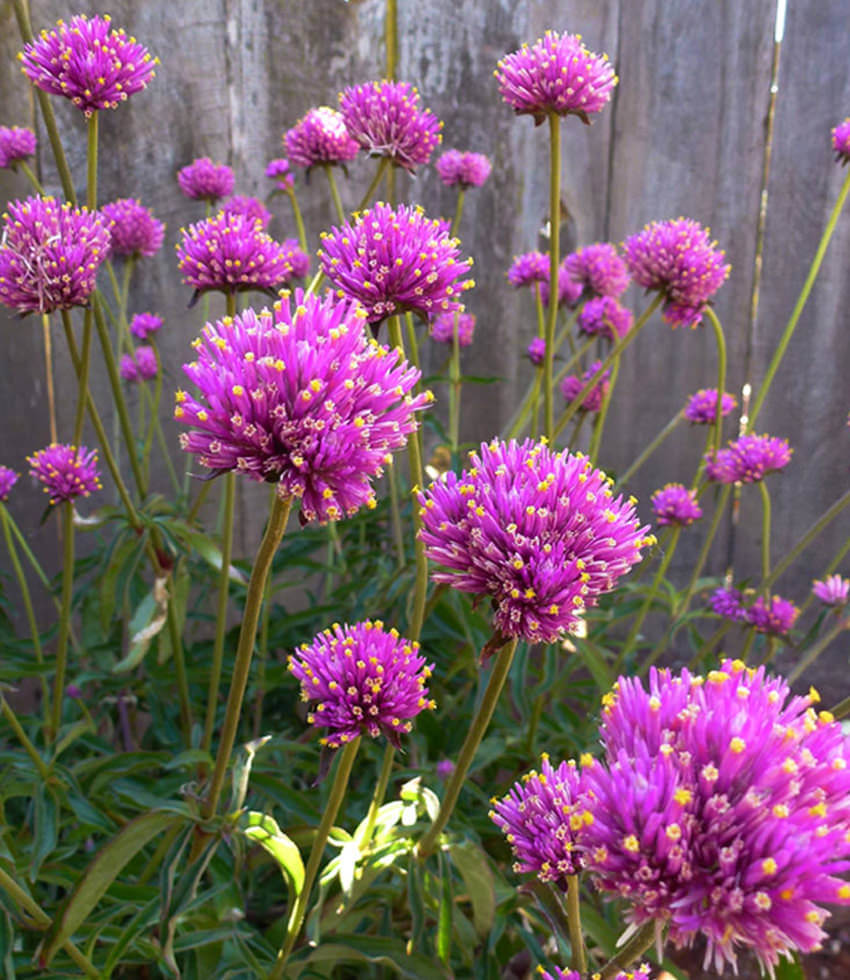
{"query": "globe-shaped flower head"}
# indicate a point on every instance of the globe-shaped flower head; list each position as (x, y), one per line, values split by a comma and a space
(832, 590)
(573, 385)
(598, 268)
(774, 615)
(279, 171)
(641, 972)
(675, 504)
(16, 144)
(603, 316)
(88, 62)
(299, 397)
(249, 207)
(841, 142)
(50, 254)
(320, 137)
(748, 459)
(134, 230)
(8, 478)
(463, 170)
(65, 472)
(140, 365)
(528, 268)
(385, 119)
(144, 324)
(569, 291)
(536, 351)
(394, 261)
(728, 603)
(539, 532)
(701, 408)
(443, 328)
(362, 680)
(678, 259)
(203, 180)
(557, 74)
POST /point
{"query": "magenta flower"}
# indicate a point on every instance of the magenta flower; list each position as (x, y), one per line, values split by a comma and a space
(300, 398)
(841, 142)
(539, 532)
(774, 616)
(442, 328)
(49, 255)
(232, 253)
(144, 324)
(528, 268)
(748, 459)
(536, 351)
(385, 119)
(16, 144)
(569, 291)
(701, 408)
(728, 603)
(134, 230)
(128, 369)
(463, 170)
(557, 74)
(65, 471)
(573, 385)
(678, 259)
(540, 817)
(279, 171)
(87, 62)
(362, 680)
(598, 268)
(639, 973)
(8, 478)
(445, 768)
(203, 180)
(394, 261)
(320, 137)
(248, 207)
(676, 504)
(297, 261)
(140, 366)
(603, 316)
(832, 591)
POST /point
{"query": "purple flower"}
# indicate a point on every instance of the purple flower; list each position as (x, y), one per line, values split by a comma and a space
(49, 255)
(540, 817)
(128, 369)
(297, 261)
(362, 680)
(701, 408)
(249, 207)
(603, 316)
(598, 268)
(676, 504)
(299, 397)
(445, 767)
(573, 385)
(8, 478)
(203, 180)
(774, 616)
(87, 62)
(832, 591)
(557, 74)
(140, 366)
(320, 137)
(144, 324)
(841, 142)
(385, 119)
(232, 253)
(278, 170)
(722, 809)
(442, 328)
(728, 603)
(463, 170)
(134, 230)
(536, 351)
(393, 261)
(639, 973)
(569, 291)
(65, 471)
(528, 268)
(539, 532)
(748, 459)
(678, 259)
(16, 143)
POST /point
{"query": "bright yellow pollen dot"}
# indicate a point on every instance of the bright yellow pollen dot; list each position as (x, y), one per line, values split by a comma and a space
(737, 745)
(674, 831)
(683, 796)
(631, 844)
(769, 866)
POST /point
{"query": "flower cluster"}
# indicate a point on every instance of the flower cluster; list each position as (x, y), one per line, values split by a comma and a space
(88, 62)
(301, 398)
(279, 171)
(832, 591)
(774, 616)
(442, 328)
(134, 230)
(463, 170)
(396, 260)
(140, 365)
(8, 478)
(639, 973)
(536, 351)
(320, 137)
(16, 143)
(569, 291)
(728, 603)
(701, 407)
(748, 459)
(557, 74)
(539, 532)
(598, 268)
(603, 316)
(841, 142)
(203, 180)
(65, 472)
(249, 207)
(676, 504)
(144, 324)
(678, 259)
(573, 385)
(528, 268)
(50, 254)
(362, 680)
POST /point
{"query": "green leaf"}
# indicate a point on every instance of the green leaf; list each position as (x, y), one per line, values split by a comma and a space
(147, 621)
(109, 580)
(45, 829)
(379, 950)
(179, 588)
(790, 970)
(444, 916)
(471, 863)
(104, 869)
(211, 553)
(263, 830)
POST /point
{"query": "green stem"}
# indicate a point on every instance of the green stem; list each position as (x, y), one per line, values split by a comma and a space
(376, 180)
(391, 37)
(603, 413)
(539, 369)
(83, 377)
(153, 400)
(817, 649)
(203, 493)
(181, 677)
(31, 177)
(245, 647)
(395, 514)
(779, 353)
(337, 794)
(842, 709)
(454, 391)
(378, 795)
(709, 644)
(578, 961)
(765, 535)
(91, 162)
(29, 748)
(632, 950)
(554, 262)
(458, 213)
(299, 220)
(721, 375)
(477, 728)
(340, 211)
(55, 709)
(48, 375)
(22, 544)
(573, 443)
(636, 464)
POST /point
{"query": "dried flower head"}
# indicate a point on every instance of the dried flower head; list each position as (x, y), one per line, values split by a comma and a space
(88, 62)
(536, 351)
(299, 397)
(203, 180)
(774, 616)
(362, 680)
(557, 74)
(748, 459)
(65, 471)
(679, 259)
(248, 207)
(134, 230)
(385, 119)
(50, 254)
(528, 268)
(832, 590)
(16, 144)
(279, 171)
(841, 142)
(463, 170)
(676, 504)
(144, 324)
(701, 407)
(320, 137)
(396, 260)
(8, 478)
(539, 532)
(603, 316)
(598, 268)
(573, 385)
(442, 328)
